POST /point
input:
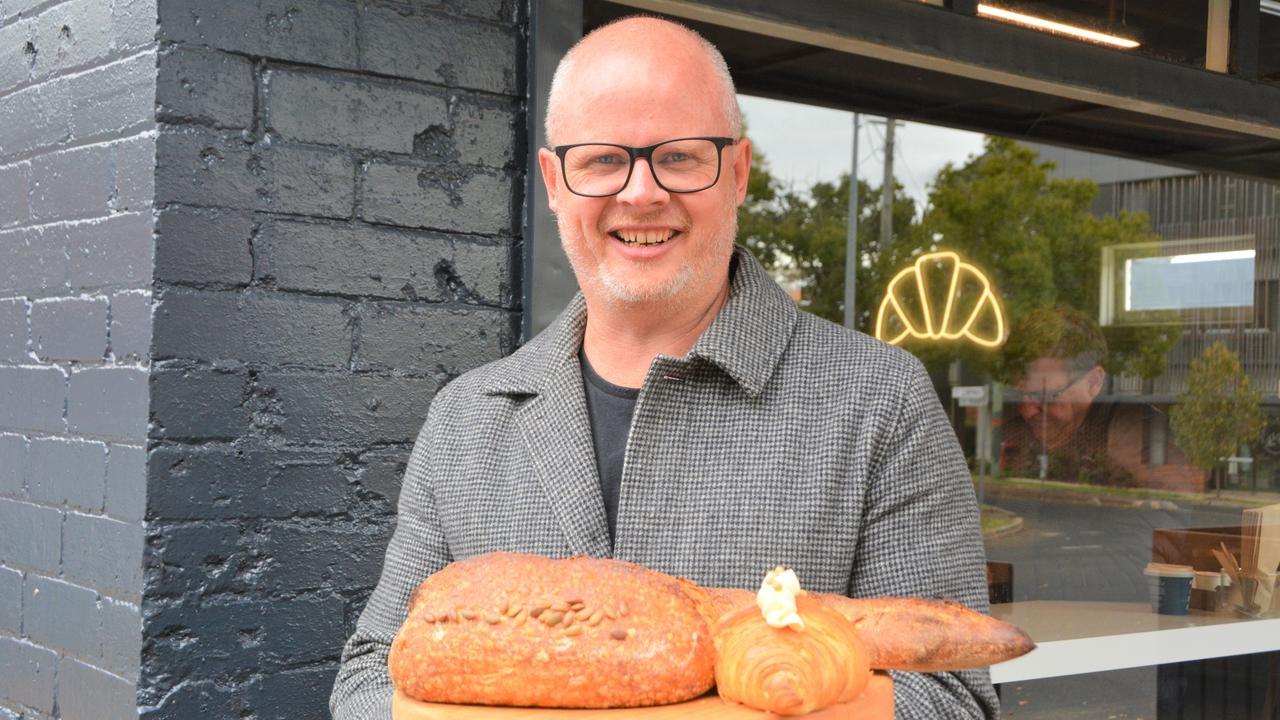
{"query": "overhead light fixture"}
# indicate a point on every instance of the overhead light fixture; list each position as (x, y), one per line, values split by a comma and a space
(1040, 23)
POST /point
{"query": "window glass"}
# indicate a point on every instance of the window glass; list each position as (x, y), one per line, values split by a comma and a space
(1103, 335)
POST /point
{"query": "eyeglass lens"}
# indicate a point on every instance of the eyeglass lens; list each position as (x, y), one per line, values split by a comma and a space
(678, 166)
(1044, 395)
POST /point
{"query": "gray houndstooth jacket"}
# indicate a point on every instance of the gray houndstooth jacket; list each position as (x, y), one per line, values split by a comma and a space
(780, 439)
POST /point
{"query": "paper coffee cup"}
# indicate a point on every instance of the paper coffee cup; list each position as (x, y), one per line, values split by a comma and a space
(1170, 587)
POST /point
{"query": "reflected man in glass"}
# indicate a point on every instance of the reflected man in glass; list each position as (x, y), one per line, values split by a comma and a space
(1059, 430)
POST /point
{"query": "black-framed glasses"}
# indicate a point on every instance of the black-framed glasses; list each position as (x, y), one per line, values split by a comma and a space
(1044, 397)
(682, 165)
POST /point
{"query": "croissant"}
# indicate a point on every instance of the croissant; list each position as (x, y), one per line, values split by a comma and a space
(787, 671)
(514, 629)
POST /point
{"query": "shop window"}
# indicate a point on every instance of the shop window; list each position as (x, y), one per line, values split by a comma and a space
(1129, 294)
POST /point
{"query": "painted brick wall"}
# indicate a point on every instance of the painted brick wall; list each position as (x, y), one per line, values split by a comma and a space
(77, 145)
(242, 244)
(337, 193)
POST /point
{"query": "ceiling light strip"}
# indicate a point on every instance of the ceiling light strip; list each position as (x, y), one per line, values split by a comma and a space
(1039, 23)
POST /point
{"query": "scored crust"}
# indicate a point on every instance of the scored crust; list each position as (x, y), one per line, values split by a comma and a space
(507, 629)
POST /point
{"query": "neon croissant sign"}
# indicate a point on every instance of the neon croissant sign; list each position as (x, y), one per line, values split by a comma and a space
(940, 297)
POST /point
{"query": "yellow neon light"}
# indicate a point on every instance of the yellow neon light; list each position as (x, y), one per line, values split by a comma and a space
(946, 328)
(1040, 23)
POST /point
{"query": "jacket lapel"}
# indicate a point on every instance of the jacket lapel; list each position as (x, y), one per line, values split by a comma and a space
(557, 433)
(556, 429)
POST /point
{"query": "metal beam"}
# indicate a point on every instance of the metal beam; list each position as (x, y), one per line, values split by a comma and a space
(1244, 39)
(781, 60)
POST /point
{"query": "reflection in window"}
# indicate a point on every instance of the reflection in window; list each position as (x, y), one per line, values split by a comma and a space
(1196, 280)
(1207, 280)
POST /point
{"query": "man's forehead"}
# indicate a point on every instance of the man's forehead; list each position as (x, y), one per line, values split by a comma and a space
(1044, 369)
(631, 95)
(642, 67)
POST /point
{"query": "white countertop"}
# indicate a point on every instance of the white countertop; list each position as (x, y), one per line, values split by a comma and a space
(1085, 637)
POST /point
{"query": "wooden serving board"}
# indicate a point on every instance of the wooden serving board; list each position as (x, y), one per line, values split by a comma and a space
(875, 703)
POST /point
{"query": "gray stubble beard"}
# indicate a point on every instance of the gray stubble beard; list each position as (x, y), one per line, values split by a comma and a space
(618, 290)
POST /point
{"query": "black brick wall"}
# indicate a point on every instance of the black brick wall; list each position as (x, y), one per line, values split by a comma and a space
(77, 145)
(338, 195)
(242, 245)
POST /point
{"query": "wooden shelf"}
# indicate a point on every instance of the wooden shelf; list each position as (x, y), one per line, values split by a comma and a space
(875, 703)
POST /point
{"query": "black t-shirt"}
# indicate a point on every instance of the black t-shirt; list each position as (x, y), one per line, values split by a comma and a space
(609, 409)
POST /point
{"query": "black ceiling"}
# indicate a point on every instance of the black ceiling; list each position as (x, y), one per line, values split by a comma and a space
(786, 70)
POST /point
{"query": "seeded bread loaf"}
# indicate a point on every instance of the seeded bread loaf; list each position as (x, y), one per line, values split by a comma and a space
(507, 629)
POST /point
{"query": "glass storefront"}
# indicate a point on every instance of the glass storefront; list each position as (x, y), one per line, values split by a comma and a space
(1104, 335)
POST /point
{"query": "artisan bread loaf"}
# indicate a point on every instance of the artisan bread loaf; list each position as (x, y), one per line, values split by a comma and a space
(507, 629)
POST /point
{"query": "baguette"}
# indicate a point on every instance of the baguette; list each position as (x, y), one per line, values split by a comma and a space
(913, 634)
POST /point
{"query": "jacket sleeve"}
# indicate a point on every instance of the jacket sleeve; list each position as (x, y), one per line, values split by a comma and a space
(363, 689)
(921, 537)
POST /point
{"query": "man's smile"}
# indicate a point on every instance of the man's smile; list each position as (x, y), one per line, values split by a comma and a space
(645, 237)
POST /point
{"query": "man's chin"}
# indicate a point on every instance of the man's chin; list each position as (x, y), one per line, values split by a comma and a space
(644, 290)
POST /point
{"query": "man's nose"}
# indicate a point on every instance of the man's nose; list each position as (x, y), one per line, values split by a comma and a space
(641, 188)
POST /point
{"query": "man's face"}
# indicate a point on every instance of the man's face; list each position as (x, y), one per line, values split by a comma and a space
(1055, 402)
(630, 98)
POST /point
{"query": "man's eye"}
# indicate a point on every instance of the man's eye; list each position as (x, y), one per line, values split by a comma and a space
(607, 160)
(675, 157)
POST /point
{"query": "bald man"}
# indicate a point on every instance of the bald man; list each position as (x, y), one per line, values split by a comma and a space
(681, 413)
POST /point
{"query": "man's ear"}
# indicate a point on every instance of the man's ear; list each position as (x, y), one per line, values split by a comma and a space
(1094, 381)
(742, 167)
(549, 164)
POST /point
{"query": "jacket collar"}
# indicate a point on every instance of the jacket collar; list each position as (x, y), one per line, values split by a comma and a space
(752, 331)
(746, 340)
